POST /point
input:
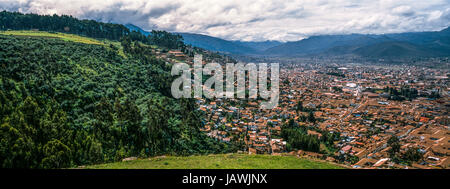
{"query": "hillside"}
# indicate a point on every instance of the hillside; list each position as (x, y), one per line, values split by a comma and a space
(226, 46)
(220, 161)
(63, 24)
(67, 100)
(132, 27)
(418, 44)
(260, 45)
(318, 44)
(394, 49)
(397, 45)
(216, 44)
(56, 35)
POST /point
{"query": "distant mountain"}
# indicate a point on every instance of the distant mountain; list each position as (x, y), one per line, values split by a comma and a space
(320, 44)
(132, 27)
(393, 49)
(413, 44)
(206, 42)
(216, 44)
(259, 46)
(226, 46)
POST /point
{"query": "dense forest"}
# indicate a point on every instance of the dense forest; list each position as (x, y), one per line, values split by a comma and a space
(64, 23)
(64, 104)
(88, 28)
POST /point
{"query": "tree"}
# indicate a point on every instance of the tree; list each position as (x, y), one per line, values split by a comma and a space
(412, 155)
(311, 117)
(394, 143)
(299, 107)
(56, 155)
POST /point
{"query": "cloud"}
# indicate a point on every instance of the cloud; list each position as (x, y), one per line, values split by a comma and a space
(403, 11)
(254, 20)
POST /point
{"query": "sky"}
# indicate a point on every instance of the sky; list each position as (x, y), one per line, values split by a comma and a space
(254, 20)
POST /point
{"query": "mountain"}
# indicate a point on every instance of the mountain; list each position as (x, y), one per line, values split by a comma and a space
(412, 44)
(226, 46)
(259, 46)
(132, 27)
(393, 49)
(216, 44)
(319, 44)
(417, 44)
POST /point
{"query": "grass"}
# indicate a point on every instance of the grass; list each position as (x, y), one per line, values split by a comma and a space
(62, 36)
(118, 46)
(65, 37)
(220, 161)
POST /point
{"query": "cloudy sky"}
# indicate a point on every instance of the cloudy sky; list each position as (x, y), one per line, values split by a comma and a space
(254, 20)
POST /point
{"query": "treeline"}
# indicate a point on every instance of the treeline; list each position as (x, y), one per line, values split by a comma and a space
(63, 23)
(88, 28)
(159, 38)
(336, 74)
(64, 104)
(404, 93)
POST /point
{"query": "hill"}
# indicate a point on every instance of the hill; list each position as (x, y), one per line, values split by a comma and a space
(68, 100)
(259, 46)
(418, 44)
(62, 36)
(399, 45)
(319, 44)
(63, 24)
(220, 161)
(226, 46)
(132, 27)
(394, 49)
(216, 44)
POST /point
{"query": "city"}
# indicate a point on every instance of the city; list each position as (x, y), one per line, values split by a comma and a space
(366, 104)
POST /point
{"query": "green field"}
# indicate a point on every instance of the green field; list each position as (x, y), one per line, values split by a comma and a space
(220, 161)
(62, 36)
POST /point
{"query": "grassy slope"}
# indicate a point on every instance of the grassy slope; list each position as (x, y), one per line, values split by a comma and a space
(63, 36)
(220, 161)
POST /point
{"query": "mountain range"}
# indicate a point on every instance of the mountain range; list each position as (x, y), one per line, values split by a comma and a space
(414, 44)
(398, 45)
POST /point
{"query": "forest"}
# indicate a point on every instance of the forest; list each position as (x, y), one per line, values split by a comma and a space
(65, 104)
(88, 28)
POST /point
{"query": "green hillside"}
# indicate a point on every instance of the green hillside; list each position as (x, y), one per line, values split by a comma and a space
(220, 161)
(62, 36)
(67, 100)
(394, 49)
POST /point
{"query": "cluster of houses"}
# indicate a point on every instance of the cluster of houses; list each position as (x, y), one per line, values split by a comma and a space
(254, 128)
(367, 119)
(350, 99)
